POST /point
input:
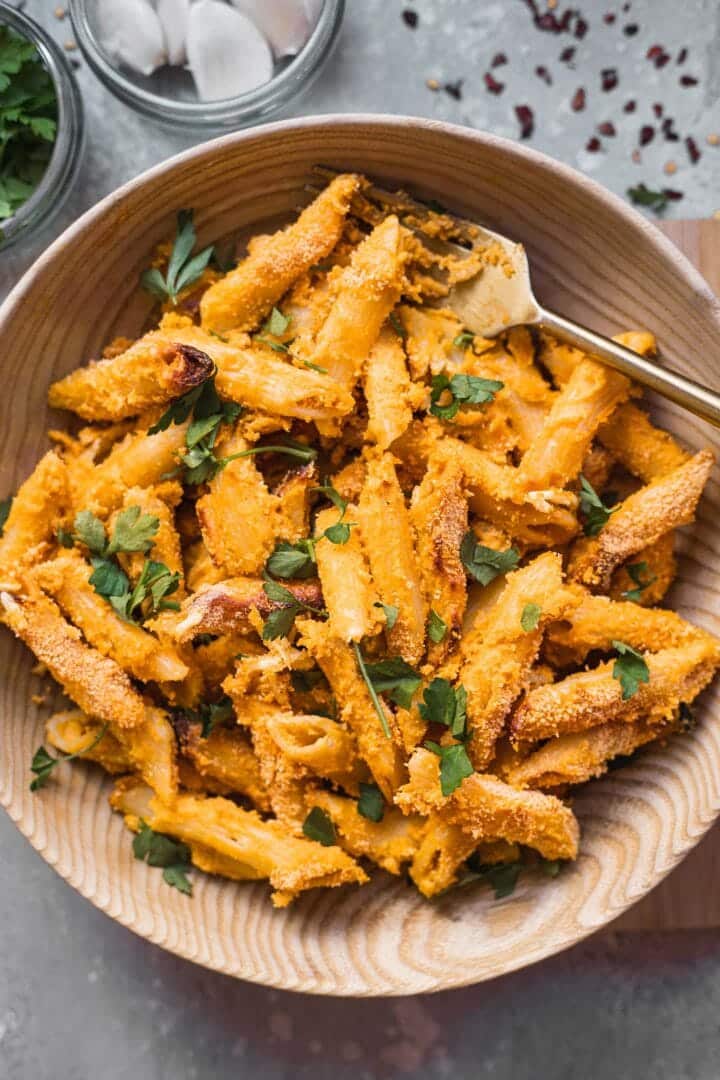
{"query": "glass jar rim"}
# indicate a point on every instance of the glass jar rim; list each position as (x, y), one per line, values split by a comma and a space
(246, 108)
(64, 161)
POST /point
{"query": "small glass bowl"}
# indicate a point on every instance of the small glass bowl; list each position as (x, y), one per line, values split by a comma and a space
(178, 105)
(62, 168)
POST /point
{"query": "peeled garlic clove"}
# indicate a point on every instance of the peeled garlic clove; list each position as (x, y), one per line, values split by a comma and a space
(226, 52)
(131, 32)
(173, 15)
(312, 10)
(283, 22)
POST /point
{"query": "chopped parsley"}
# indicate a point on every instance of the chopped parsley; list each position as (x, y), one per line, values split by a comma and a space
(371, 804)
(464, 340)
(376, 703)
(530, 618)
(395, 678)
(446, 705)
(391, 614)
(594, 511)
(5, 507)
(339, 533)
(637, 572)
(184, 268)
(645, 196)
(630, 669)
(484, 563)
(455, 765)
(279, 623)
(157, 849)
(293, 560)
(437, 628)
(44, 763)
(460, 390)
(276, 325)
(397, 326)
(318, 826)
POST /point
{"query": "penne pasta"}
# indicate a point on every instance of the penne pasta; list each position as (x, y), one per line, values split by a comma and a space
(347, 587)
(320, 744)
(390, 843)
(387, 390)
(636, 443)
(34, 513)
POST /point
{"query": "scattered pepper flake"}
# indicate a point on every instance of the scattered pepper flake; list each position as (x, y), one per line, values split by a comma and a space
(688, 80)
(581, 28)
(682, 56)
(630, 106)
(498, 60)
(568, 54)
(578, 100)
(657, 54)
(492, 85)
(607, 128)
(593, 144)
(609, 78)
(647, 134)
(631, 29)
(693, 150)
(410, 18)
(672, 194)
(526, 119)
(668, 130)
(454, 89)
(658, 109)
(542, 73)
(609, 17)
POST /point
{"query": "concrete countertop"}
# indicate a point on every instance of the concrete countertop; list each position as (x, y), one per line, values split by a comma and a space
(80, 996)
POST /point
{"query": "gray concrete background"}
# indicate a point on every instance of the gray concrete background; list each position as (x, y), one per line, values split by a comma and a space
(80, 996)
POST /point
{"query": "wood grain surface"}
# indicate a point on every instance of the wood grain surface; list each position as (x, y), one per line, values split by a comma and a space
(594, 259)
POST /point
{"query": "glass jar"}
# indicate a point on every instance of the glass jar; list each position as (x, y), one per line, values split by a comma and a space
(175, 109)
(57, 181)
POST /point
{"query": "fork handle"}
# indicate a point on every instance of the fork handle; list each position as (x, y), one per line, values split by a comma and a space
(678, 388)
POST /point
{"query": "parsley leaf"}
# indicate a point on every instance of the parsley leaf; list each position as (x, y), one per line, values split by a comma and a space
(437, 627)
(278, 323)
(291, 448)
(391, 614)
(445, 705)
(464, 340)
(636, 572)
(454, 765)
(371, 804)
(593, 509)
(502, 878)
(215, 713)
(484, 563)
(107, 578)
(462, 390)
(183, 269)
(397, 325)
(5, 507)
(530, 617)
(376, 703)
(279, 623)
(90, 531)
(157, 849)
(318, 826)
(293, 560)
(645, 196)
(43, 763)
(630, 669)
(134, 531)
(64, 538)
(339, 533)
(395, 678)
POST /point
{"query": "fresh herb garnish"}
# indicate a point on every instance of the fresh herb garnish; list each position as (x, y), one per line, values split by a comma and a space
(464, 339)
(134, 531)
(184, 268)
(43, 763)
(28, 120)
(5, 507)
(630, 669)
(530, 617)
(395, 678)
(371, 804)
(313, 367)
(157, 849)
(291, 448)
(443, 704)
(214, 713)
(484, 563)
(276, 346)
(397, 326)
(318, 826)
(279, 623)
(304, 682)
(293, 560)
(637, 573)
(391, 614)
(594, 511)
(462, 390)
(64, 538)
(503, 877)
(437, 627)
(339, 533)
(645, 196)
(276, 325)
(376, 703)
(455, 765)
(147, 596)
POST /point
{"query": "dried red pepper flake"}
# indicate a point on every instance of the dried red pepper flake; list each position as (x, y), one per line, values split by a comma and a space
(492, 85)
(657, 54)
(630, 106)
(668, 130)
(526, 119)
(647, 134)
(607, 128)
(542, 73)
(454, 89)
(410, 18)
(593, 145)
(577, 104)
(693, 151)
(682, 56)
(688, 80)
(609, 17)
(581, 28)
(567, 55)
(609, 78)
(658, 109)
(498, 60)
(631, 29)
(672, 194)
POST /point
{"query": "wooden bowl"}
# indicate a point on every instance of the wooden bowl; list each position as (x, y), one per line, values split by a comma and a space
(595, 259)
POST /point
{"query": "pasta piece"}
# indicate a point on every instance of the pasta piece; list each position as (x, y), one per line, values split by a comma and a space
(556, 455)
(293, 496)
(240, 543)
(216, 658)
(387, 388)
(225, 608)
(443, 851)
(130, 646)
(345, 579)
(95, 683)
(71, 731)
(659, 570)
(430, 339)
(439, 515)
(636, 443)
(148, 374)
(573, 759)
(365, 294)
(594, 697)
(383, 755)
(486, 808)
(393, 561)
(642, 518)
(411, 726)
(238, 843)
(152, 751)
(391, 842)
(200, 570)
(320, 744)
(242, 298)
(499, 654)
(39, 503)
(597, 621)
(225, 755)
